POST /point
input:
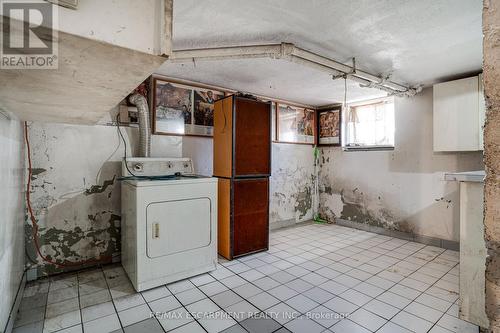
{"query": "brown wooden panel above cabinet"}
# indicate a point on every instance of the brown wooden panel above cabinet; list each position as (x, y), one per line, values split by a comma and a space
(252, 138)
(242, 138)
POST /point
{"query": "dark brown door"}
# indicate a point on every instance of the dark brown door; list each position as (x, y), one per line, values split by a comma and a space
(252, 151)
(251, 215)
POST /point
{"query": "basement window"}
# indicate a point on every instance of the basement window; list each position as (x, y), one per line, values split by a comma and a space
(369, 125)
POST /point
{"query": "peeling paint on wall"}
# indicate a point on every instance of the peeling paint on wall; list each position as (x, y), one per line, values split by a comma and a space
(401, 190)
(79, 215)
(75, 193)
(291, 182)
(291, 187)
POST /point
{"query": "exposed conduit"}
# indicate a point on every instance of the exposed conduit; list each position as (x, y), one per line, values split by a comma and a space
(144, 129)
(290, 52)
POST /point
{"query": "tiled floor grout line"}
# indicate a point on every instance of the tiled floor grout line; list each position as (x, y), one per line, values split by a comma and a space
(208, 297)
(185, 306)
(79, 304)
(385, 290)
(263, 291)
(151, 310)
(415, 300)
(47, 305)
(296, 278)
(256, 256)
(433, 324)
(339, 255)
(112, 299)
(422, 292)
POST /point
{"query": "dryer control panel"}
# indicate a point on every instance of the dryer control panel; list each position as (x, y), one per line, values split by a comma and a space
(153, 166)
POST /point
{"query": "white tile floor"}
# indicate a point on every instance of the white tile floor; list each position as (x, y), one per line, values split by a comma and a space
(314, 278)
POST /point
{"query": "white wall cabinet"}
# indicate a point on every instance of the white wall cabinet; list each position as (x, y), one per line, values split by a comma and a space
(458, 115)
(482, 111)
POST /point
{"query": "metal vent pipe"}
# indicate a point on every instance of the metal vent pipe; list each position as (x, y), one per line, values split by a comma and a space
(144, 128)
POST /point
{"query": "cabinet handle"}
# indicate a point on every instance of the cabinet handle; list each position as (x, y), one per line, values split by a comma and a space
(156, 230)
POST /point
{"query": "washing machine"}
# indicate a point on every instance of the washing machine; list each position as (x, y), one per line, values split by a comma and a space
(169, 221)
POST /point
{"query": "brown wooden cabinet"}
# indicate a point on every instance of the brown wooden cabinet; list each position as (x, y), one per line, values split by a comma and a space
(242, 161)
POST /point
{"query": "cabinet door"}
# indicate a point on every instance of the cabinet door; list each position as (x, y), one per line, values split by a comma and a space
(251, 215)
(252, 138)
(456, 115)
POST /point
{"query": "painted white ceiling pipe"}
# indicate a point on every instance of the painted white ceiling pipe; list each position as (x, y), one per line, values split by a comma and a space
(294, 54)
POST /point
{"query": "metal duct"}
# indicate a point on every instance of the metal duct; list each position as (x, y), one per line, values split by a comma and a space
(144, 129)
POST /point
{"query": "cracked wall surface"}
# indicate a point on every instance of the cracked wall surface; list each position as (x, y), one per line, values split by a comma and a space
(75, 193)
(403, 189)
(491, 75)
(291, 182)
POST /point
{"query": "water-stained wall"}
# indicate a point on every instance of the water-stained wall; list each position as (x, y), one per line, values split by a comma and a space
(75, 193)
(403, 189)
(291, 187)
(11, 213)
(291, 183)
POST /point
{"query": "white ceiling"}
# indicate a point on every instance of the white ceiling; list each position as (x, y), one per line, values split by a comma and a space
(419, 42)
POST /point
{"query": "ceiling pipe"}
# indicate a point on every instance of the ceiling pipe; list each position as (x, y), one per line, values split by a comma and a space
(230, 52)
(290, 52)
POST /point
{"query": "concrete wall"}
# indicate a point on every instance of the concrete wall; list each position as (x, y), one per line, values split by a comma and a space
(75, 191)
(291, 182)
(76, 195)
(491, 69)
(292, 187)
(128, 23)
(11, 213)
(402, 189)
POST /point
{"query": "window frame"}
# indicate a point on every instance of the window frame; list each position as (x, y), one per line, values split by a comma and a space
(345, 129)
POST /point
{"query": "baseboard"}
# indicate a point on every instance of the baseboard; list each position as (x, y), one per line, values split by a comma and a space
(287, 224)
(15, 306)
(281, 224)
(438, 242)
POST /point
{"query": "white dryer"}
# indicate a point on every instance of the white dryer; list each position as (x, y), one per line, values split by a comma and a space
(169, 221)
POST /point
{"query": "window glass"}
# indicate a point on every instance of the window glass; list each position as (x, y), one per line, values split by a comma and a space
(370, 124)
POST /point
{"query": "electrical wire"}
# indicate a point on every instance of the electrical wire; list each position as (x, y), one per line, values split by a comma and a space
(35, 223)
(124, 147)
(109, 157)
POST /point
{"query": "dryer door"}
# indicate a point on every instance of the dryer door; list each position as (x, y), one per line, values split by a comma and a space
(177, 226)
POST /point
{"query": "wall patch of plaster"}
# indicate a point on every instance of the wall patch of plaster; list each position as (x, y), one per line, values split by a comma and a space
(291, 183)
(403, 189)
